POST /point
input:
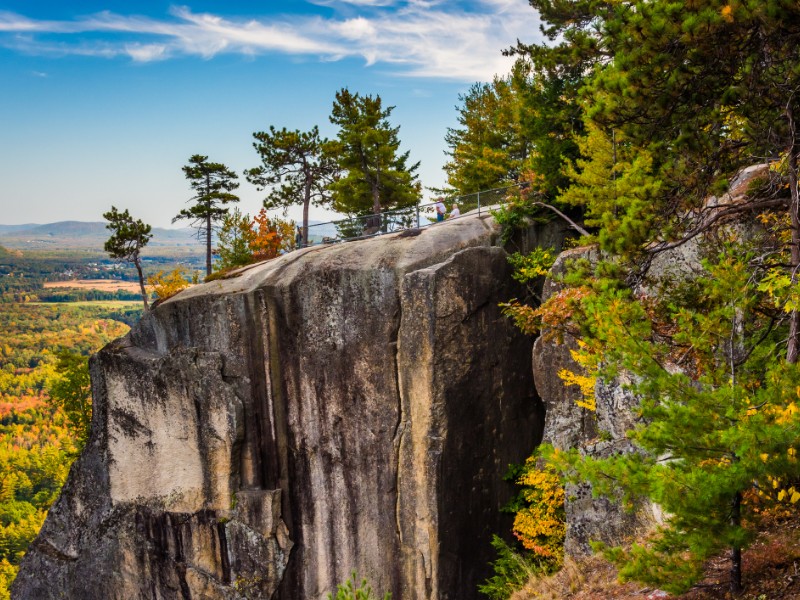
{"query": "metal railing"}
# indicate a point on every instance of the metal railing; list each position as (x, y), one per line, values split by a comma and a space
(411, 217)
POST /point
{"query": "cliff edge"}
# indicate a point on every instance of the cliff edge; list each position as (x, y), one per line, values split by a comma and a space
(341, 408)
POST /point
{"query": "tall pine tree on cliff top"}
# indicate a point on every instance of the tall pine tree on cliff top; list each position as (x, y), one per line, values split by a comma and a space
(212, 184)
(295, 168)
(376, 177)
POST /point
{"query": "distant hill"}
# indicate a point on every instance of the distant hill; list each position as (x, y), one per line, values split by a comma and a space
(11, 228)
(86, 235)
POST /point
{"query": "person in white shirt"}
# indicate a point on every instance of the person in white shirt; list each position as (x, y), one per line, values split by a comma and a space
(440, 209)
(455, 212)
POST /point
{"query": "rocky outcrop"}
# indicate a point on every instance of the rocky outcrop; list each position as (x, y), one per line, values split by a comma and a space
(602, 432)
(341, 408)
(571, 426)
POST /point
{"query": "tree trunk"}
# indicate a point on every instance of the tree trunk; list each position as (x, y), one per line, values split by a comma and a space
(208, 223)
(736, 552)
(138, 264)
(306, 203)
(376, 197)
(794, 212)
(208, 245)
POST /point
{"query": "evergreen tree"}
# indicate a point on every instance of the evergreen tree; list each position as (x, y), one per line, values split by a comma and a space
(71, 390)
(374, 176)
(615, 184)
(295, 167)
(718, 414)
(127, 240)
(550, 119)
(678, 97)
(235, 240)
(522, 126)
(487, 150)
(212, 184)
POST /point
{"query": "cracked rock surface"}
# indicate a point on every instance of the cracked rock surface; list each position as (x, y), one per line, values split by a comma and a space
(348, 407)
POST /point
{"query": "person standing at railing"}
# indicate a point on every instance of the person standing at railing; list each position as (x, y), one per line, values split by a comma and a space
(298, 238)
(440, 210)
(455, 212)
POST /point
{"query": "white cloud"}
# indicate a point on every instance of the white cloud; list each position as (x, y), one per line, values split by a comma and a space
(422, 38)
(146, 52)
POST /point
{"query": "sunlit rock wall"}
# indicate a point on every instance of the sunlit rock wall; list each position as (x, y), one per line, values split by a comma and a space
(341, 408)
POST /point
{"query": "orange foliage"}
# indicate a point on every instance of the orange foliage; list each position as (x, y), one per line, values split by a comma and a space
(271, 237)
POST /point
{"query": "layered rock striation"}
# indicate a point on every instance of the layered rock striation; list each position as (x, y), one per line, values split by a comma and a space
(342, 408)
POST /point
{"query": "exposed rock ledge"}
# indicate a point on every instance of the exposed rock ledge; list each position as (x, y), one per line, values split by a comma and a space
(337, 409)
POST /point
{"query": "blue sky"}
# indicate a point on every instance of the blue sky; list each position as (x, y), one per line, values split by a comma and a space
(103, 102)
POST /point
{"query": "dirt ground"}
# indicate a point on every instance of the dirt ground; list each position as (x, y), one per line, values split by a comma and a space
(770, 571)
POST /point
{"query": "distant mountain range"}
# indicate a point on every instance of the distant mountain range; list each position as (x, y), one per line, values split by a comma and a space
(82, 235)
(79, 234)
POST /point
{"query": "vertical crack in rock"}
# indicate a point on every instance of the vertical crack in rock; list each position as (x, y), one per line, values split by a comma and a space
(400, 426)
(223, 553)
(276, 398)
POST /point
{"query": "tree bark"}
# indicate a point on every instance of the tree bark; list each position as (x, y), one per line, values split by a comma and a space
(794, 212)
(736, 552)
(208, 245)
(306, 203)
(138, 264)
(376, 194)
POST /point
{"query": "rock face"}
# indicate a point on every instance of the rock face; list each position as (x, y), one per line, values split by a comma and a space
(570, 426)
(340, 408)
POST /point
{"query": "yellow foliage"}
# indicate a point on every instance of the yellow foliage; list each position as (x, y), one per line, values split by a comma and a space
(166, 285)
(586, 383)
(540, 525)
(727, 13)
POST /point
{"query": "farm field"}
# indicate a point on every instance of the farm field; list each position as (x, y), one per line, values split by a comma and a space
(103, 285)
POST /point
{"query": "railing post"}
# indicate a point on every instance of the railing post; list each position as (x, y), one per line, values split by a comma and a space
(479, 204)
(417, 215)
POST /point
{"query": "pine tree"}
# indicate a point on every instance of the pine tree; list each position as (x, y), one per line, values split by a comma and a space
(212, 184)
(235, 240)
(718, 414)
(127, 240)
(375, 177)
(487, 150)
(616, 185)
(295, 168)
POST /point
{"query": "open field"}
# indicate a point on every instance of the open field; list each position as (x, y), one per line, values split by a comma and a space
(103, 285)
(104, 304)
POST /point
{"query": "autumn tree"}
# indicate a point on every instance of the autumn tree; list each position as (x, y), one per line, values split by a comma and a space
(272, 236)
(243, 240)
(212, 184)
(128, 237)
(167, 284)
(375, 175)
(294, 168)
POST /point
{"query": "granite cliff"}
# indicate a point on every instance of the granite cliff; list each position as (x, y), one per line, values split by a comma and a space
(341, 408)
